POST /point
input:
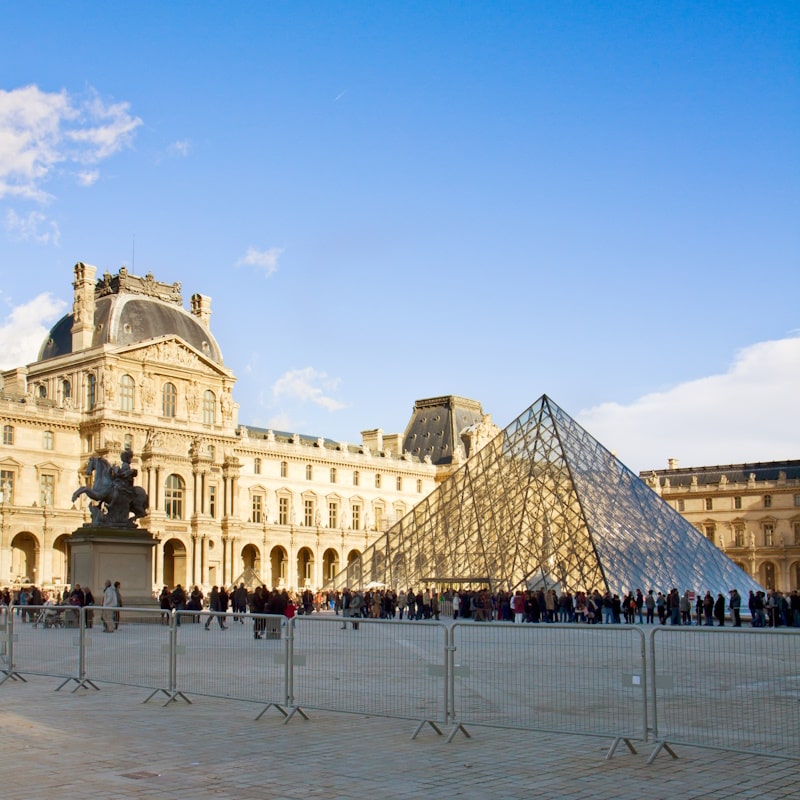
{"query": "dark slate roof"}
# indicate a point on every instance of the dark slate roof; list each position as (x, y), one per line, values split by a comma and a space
(124, 319)
(735, 473)
(436, 425)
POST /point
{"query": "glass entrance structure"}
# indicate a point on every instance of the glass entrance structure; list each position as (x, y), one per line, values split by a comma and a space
(545, 504)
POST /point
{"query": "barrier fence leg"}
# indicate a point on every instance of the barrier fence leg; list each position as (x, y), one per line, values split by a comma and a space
(615, 744)
(659, 747)
(450, 690)
(423, 724)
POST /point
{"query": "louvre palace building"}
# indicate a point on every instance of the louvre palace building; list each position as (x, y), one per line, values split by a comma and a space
(131, 368)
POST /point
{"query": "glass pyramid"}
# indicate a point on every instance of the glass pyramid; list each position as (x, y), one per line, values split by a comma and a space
(545, 504)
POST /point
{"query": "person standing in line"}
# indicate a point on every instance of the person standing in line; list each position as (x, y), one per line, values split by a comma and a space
(214, 606)
(735, 605)
(109, 604)
(719, 610)
(650, 605)
(88, 602)
(117, 584)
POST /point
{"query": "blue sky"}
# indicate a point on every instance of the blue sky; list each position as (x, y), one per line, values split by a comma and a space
(391, 201)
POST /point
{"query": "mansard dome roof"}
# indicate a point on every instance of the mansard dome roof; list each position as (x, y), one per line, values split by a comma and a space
(124, 314)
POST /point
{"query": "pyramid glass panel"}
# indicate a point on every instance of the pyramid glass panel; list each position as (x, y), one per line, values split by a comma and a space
(545, 504)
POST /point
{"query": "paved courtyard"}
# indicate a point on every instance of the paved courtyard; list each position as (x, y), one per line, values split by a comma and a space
(109, 744)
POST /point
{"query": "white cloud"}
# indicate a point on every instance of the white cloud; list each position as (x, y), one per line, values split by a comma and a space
(308, 386)
(40, 131)
(89, 177)
(266, 260)
(24, 329)
(181, 148)
(32, 228)
(746, 414)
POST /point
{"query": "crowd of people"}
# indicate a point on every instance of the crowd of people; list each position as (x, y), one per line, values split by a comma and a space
(771, 609)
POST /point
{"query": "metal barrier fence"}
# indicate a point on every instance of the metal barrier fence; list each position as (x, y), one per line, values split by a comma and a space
(576, 679)
(243, 657)
(728, 689)
(372, 667)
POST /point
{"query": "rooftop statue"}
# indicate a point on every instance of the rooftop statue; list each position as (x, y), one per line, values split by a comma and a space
(118, 503)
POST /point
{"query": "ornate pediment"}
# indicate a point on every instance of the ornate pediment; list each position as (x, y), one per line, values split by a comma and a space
(173, 351)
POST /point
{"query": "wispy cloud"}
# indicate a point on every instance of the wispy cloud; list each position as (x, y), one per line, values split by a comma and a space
(181, 148)
(44, 131)
(24, 328)
(265, 260)
(34, 227)
(308, 385)
(748, 413)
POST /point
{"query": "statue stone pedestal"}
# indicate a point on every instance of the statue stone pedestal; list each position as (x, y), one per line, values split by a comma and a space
(123, 554)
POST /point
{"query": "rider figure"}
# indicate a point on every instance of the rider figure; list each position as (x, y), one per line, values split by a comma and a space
(122, 481)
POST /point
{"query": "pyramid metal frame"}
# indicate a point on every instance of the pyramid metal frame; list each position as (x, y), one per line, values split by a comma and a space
(545, 504)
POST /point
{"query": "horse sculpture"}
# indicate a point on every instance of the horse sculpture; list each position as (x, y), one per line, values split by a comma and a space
(115, 496)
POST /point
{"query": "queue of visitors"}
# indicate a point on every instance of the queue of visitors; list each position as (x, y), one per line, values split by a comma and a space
(771, 609)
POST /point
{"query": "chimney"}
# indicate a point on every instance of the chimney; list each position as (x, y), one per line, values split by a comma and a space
(673, 463)
(201, 308)
(83, 307)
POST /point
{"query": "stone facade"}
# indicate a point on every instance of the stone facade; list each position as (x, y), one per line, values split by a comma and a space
(750, 511)
(226, 499)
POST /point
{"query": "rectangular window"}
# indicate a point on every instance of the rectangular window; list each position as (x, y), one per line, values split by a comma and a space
(356, 478)
(378, 518)
(283, 511)
(7, 486)
(333, 514)
(769, 535)
(333, 476)
(309, 472)
(47, 488)
(711, 533)
(212, 500)
(377, 480)
(8, 434)
(356, 516)
(797, 501)
(709, 504)
(308, 512)
(257, 466)
(47, 440)
(284, 469)
(681, 506)
(257, 513)
(739, 536)
(737, 503)
(399, 484)
(767, 501)
(419, 487)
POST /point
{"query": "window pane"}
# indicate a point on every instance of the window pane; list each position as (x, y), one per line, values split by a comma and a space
(169, 396)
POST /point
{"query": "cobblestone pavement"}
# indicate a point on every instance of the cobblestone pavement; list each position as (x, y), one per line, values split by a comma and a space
(109, 744)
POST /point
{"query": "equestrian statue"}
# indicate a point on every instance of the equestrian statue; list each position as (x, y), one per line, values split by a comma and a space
(117, 502)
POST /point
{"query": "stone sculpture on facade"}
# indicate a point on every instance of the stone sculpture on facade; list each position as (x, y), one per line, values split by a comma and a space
(118, 503)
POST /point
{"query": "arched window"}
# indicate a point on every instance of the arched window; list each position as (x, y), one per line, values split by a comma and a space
(91, 391)
(209, 408)
(173, 497)
(169, 399)
(126, 386)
